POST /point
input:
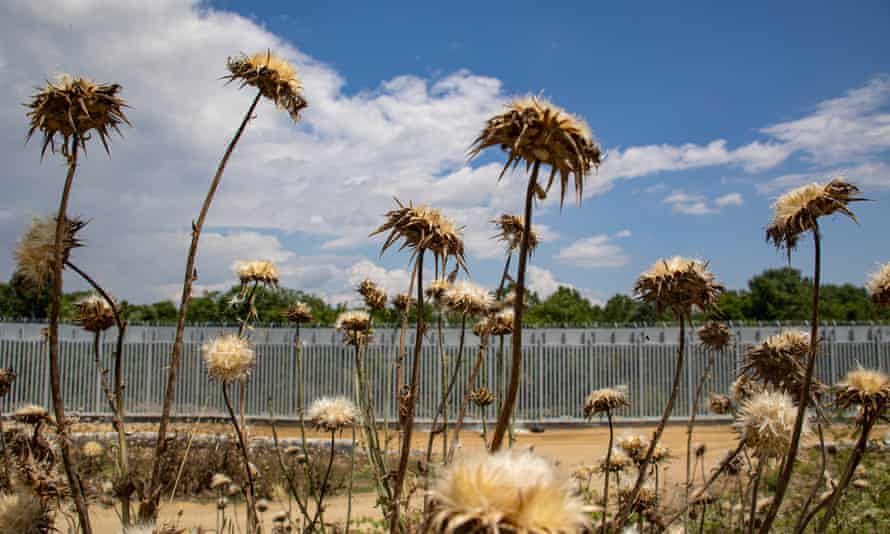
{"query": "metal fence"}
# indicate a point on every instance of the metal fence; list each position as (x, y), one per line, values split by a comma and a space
(556, 378)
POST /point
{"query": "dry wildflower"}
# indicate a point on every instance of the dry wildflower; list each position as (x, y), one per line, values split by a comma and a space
(510, 299)
(7, 377)
(222, 503)
(94, 314)
(502, 323)
(720, 404)
(634, 447)
(437, 288)
(878, 285)
(864, 387)
(31, 414)
(700, 449)
(92, 449)
(678, 284)
(533, 130)
(298, 312)
(467, 298)
(423, 228)
(402, 301)
(70, 108)
(374, 295)
(257, 271)
(780, 361)
(331, 413)
(646, 500)
(355, 326)
(504, 492)
(796, 211)
(618, 462)
(714, 335)
(743, 388)
(229, 358)
(482, 397)
(482, 327)
(765, 423)
(35, 254)
(275, 78)
(510, 230)
(23, 513)
(604, 400)
(660, 454)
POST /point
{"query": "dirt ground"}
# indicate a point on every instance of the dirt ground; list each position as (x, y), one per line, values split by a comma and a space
(568, 447)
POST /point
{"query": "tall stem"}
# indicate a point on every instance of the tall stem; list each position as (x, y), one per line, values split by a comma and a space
(455, 437)
(447, 394)
(693, 412)
(516, 367)
(55, 369)
(351, 481)
(148, 509)
(251, 495)
(412, 403)
(756, 483)
(788, 468)
(608, 470)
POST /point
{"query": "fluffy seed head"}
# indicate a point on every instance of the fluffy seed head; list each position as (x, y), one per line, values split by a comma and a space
(780, 361)
(533, 130)
(260, 271)
(482, 397)
(507, 491)
(92, 449)
(743, 388)
(678, 284)
(331, 413)
(502, 322)
(401, 302)
(374, 295)
(23, 513)
(94, 314)
(31, 414)
(355, 326)
(219, 480)
(275, 78)
(660, 454)
(298, 312)
(714, 335)
(482, 327)
(229, 358)
(510, 230)
(864, 387)
(70, 108)
(618, 462)
(796, 211)
(36, 251)
(720, 404)
(604, 400)
(437, 288)
(423, 228)
(878, 285)
(7, 377)
(467, 298)
(765, 423)
(635, 447)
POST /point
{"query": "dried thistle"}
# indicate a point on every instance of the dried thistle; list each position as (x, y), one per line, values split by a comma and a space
(646, 500)
(437, 288)
(275, 78)
(92, 449)
(229, 358)
(510, 230)
(257, 271)
(31, 414)
(423, 228)
(374, 295)
(678, 284)
(504, 492)
(720, 404)
(866, 388)
(743, 388)
(331, 414)
(635, 447)
(482, 327)
(24, 513)
(534, 130)
(70, 108)
(502, 323)
(797, 211)
(219, 480)
(660, 454)
(467, 298)
(878, 285)
(7, 377)
(510, 299)
(714, 335)
(401, 302)
(765, 423)
(35, 254)
(482, 397)
(355, 326)
(604, 400)
(618, 462)
(298, 312)
(94, 314)
(780, 361)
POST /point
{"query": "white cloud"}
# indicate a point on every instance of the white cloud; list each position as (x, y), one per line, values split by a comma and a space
(695, 204)
(729, 199)
(596, 251)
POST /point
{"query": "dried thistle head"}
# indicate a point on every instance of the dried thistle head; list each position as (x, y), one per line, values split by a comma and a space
(482, 327)
(94, 314)
(275, 78)
(878, 285)
(646, 501)
(36, 251)
(714, 335)
(298, 312)
(373, 295)
(720, 404)
(229, 358)
(603, 401)
(331, 413)
(635, 447)
(797, 211)
(866, 388)
(31, 414)
(618, 462)
(219, 480)
(533, 130)
(355, 326)
(7, 377)
(510, 299)
(743, 388)
(678, 284)
(780, 361)
(510, 230)
(482, 397)
(92, 449)
(402, 301)
(262, 272)
(502, 322)
(70, 108)
(700, 449)
(660, 454)
(23, 512)
(437, 288)
(467, 298)
(423, 228)
(765, 423)
(504, 492)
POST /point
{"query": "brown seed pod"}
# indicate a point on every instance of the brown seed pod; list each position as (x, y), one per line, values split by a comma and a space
(604, 400)
(780, 361)
(94, 314)
(374, 296)
(678, 284)
(401, 302)
(714, 335)
(275, 78)
(510, 230)
(482, 397)
(720, 404)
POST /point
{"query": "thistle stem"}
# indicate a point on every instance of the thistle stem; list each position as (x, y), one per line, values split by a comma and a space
(693, 412)
(756, 486)
(458, 424)
(251, 495)
(606, 476)
(447, 394)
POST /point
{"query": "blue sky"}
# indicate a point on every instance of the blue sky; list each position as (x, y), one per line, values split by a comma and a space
(707, 112)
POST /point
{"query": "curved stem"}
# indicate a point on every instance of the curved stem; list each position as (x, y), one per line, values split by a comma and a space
(788, 467)
(294, 491)
(319, 512)
(756, 483)
(351, 482)
(458, 424)
(447, 394)
(806, 517)
(606, 476)
(693, 412)
(251, 497)
(149, 506)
